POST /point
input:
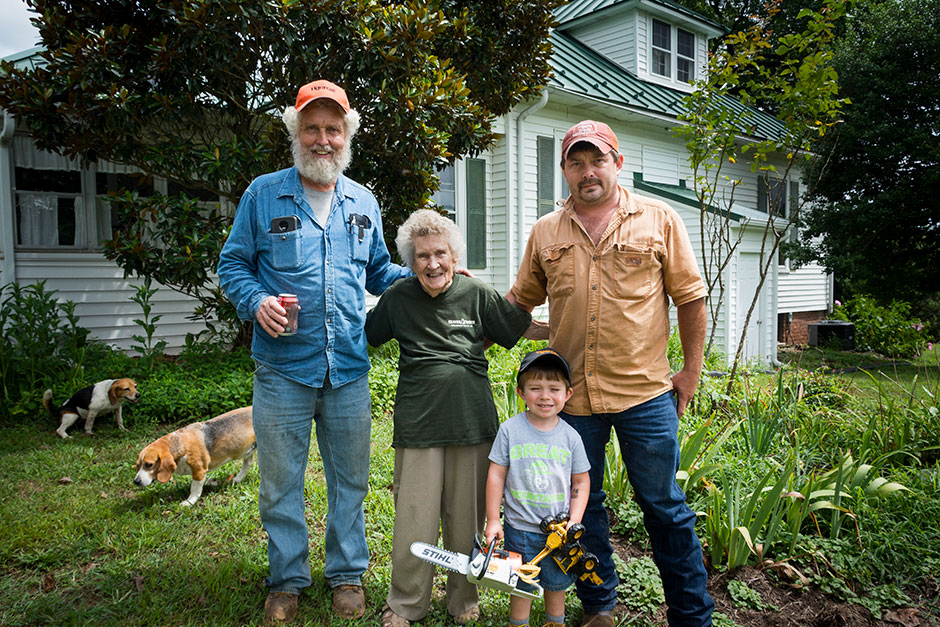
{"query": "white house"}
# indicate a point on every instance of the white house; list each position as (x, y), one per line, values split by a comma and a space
(625, 62)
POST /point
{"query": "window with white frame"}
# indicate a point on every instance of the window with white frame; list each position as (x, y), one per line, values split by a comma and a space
(446, 194)
(61, 204)
(48, 206)
(464, 199)
(672, 52)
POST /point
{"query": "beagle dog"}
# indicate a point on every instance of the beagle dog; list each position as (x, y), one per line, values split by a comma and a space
(87, 403)
(198, 448)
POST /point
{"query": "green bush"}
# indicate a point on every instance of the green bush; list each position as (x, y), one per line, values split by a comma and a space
(889, 330)
(41, 343)
(383, 378)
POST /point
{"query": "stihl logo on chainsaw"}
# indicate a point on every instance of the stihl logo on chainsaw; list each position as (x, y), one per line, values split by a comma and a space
(437, 556)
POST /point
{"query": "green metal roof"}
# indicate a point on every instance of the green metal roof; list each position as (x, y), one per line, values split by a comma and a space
(581, 70)
(686, 196)
(577, 9)
(26, 58)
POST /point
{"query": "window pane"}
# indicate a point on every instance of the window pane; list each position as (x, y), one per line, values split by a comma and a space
(67, 181)
(661, 63)
(46, 205)
(661, 35)
(476, 213)
(685, 71)
(446, 195)
(45, 219)
(685, 44)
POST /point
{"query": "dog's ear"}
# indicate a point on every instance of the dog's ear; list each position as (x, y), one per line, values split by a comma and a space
(166, 468)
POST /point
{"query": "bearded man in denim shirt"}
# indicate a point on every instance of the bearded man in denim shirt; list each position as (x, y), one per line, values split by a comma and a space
(310, 231)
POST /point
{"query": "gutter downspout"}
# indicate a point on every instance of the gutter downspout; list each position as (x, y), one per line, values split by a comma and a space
(518, 243)
(775, 304)
(7, 241)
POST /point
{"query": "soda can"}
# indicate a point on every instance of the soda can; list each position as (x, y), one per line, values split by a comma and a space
(292, 307)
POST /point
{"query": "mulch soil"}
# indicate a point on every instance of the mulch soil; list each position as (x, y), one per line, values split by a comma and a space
(807, 607)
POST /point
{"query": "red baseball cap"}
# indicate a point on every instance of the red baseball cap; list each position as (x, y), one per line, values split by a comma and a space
(321, 89)
(596, 133)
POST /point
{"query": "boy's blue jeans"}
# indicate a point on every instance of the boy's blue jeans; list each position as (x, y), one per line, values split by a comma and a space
(648, 436)
(283, 414)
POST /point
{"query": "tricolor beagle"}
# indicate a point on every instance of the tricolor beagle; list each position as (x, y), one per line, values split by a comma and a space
(198, 448)
(87, 403)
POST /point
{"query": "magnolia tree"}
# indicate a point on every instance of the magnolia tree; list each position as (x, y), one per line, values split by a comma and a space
(192, 91)
(802, 87)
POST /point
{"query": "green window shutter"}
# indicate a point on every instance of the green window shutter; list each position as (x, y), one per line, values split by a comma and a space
(546, 174)
(762, 194)
(476, 213)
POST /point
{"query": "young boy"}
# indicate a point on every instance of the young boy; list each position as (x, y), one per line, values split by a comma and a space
(539, 466)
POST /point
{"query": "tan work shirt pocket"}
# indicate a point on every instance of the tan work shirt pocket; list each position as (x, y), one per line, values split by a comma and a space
(632, 272)
(558, 264)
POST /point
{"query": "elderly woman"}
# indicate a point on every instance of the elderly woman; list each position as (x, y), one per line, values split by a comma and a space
(445, 418)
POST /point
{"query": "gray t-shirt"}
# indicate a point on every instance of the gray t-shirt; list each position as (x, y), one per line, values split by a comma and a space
(320, 202)
(538, 482)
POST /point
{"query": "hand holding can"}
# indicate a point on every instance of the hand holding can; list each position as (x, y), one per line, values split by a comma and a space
(291, 306)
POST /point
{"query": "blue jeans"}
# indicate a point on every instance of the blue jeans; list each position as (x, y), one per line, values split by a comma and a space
(283, 412)
(648, 436)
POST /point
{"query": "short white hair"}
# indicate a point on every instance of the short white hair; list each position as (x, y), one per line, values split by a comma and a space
(291, 118)
(425, 222)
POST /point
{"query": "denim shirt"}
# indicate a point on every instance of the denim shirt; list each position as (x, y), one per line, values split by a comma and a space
(328, 268)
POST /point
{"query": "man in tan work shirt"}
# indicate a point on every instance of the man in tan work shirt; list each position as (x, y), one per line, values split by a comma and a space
(608, 262)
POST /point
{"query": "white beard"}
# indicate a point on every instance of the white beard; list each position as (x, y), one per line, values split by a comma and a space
(320, 171)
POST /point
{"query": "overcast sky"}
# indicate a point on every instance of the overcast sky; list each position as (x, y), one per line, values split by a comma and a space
(16, 33)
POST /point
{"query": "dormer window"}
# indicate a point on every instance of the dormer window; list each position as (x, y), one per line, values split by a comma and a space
(673, 52)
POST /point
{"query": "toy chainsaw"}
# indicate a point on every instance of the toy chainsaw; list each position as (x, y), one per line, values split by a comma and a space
(504, 571)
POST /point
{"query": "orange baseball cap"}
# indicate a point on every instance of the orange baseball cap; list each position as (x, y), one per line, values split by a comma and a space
(596, 133)
(321, 89)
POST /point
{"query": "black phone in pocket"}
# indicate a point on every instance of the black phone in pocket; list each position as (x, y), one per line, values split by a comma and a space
(285, 224)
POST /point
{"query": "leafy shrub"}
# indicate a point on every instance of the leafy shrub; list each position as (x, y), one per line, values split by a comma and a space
(888, 330)
(817, 389)
(383, 378)
(195, 389)
(714, 361)
(41, 343)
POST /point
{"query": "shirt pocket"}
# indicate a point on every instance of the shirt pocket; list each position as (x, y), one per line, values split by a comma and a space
(558, 264)
(287, 250)
(632, 272)
(359, 249)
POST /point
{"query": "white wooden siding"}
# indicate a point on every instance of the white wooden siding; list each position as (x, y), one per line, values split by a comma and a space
(613, 38)
(804, 289)
(102, 297)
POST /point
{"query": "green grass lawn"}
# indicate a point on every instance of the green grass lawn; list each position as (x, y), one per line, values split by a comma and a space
(871, 374)
(83, 546)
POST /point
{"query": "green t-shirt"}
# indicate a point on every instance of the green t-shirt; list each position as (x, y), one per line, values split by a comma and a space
(444, 396)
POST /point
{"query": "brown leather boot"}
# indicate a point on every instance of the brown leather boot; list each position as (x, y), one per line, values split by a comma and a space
(280, 608)
(349, 601)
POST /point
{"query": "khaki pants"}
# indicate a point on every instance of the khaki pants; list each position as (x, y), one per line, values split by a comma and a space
(435, 488)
